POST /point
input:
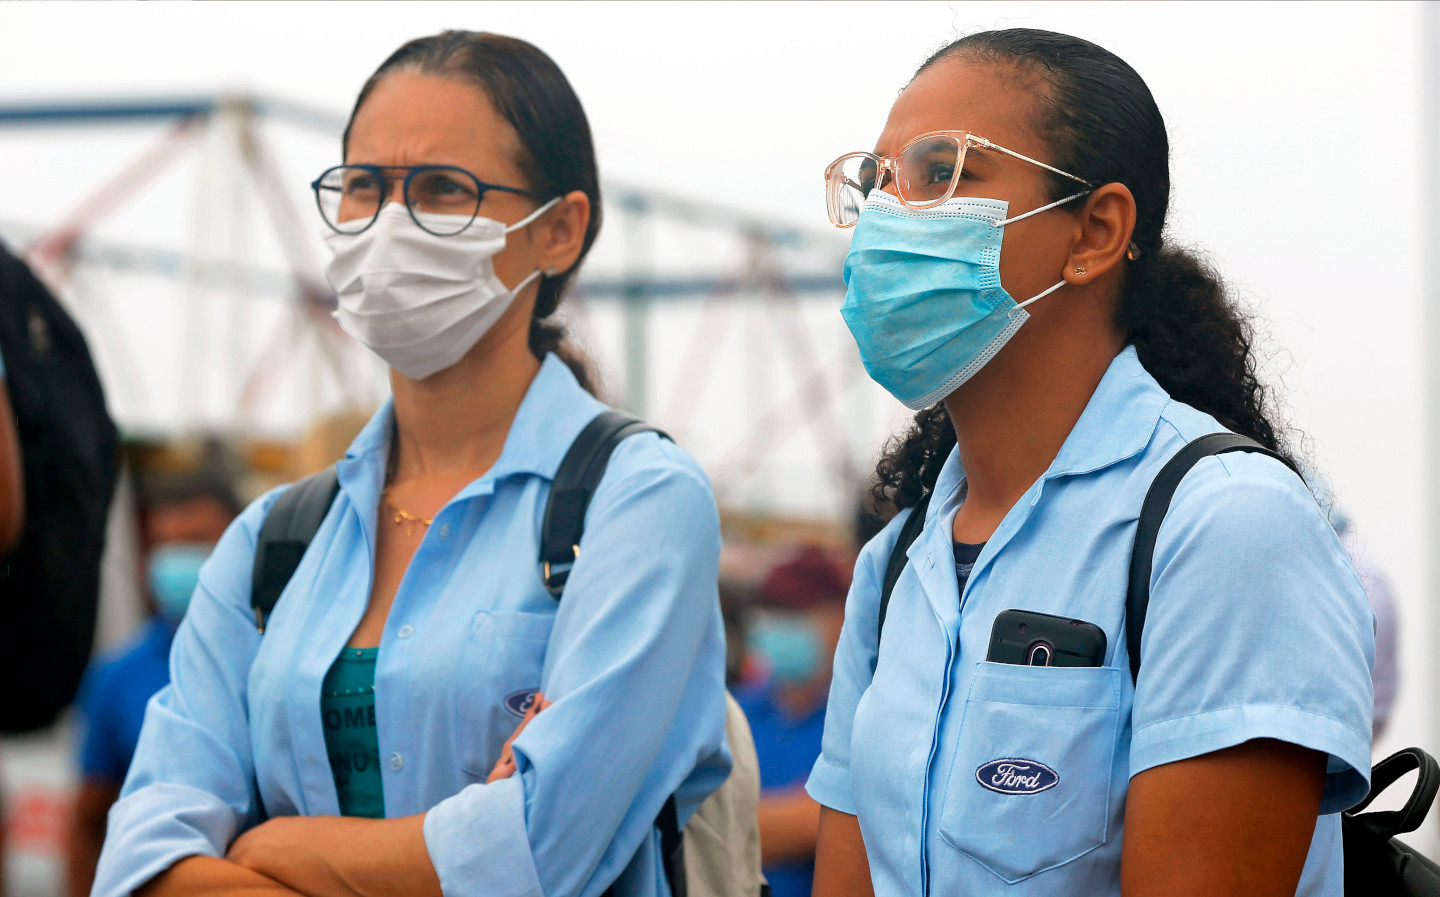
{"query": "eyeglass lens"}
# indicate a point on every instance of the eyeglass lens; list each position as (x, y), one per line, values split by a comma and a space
(851, 180)
(350, 198)
(925, 170)
(924, 174)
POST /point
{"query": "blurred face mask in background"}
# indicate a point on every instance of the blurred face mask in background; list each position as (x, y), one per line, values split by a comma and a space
(174, 572)
(790, 648)
(420, 301)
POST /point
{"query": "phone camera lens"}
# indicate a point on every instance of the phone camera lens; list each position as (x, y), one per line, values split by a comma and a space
(1040, 655)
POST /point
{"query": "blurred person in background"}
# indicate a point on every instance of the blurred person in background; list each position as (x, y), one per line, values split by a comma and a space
(181, 518)
(418, 619)
(792, 627)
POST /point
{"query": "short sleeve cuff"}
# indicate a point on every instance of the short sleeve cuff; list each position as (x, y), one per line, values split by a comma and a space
(1347, 775)
(478, 843)
(830, 786)
(156, 827)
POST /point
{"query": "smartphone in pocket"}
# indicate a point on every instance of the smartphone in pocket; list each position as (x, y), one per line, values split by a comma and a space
(1027, 638)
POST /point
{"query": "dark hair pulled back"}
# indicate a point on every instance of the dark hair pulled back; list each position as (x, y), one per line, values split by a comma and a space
(1101, 123)
(556, 153)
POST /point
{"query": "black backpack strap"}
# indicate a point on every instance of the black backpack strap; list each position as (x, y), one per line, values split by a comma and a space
(286, 533)
(898, 558)
(575, 481)
(1152, 514)
(672, 848)
(564, 523)
(1387, 824)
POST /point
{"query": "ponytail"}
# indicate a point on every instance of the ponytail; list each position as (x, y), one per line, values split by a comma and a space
(547, 336)
(1193, 338)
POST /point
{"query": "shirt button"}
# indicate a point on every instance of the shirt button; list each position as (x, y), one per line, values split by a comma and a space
(405, 631)
(397, 762)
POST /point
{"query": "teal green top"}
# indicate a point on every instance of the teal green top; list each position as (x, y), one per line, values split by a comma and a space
(347, 705)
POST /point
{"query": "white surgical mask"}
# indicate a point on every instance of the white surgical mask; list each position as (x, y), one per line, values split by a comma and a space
(417, 300)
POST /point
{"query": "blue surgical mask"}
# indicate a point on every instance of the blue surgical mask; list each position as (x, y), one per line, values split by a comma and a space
(923, 296)
(789, 647)
(174, 573)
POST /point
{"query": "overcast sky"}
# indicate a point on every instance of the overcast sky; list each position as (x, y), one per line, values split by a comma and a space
(1295, 130)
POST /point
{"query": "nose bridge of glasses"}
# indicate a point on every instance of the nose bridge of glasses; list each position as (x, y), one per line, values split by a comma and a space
(396, 179)
(884, 168)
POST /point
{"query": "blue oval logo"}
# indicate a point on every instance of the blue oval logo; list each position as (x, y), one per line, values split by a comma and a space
(1017, 776)
(520, 701)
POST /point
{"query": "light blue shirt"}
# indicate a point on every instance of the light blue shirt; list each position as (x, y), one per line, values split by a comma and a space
(1257, 628)
(633, 658)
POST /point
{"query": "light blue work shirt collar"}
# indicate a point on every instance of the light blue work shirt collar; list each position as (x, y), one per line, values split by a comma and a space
(1117, 424)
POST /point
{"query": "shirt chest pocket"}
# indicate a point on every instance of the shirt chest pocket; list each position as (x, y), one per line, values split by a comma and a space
(1031, 786)
(499, 675)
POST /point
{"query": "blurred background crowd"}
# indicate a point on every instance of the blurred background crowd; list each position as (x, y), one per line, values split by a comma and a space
(168, 211)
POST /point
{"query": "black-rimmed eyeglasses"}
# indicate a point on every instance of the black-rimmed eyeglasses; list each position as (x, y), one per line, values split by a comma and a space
(350, 196)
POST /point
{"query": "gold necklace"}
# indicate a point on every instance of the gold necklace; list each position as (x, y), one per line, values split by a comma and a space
(405, 518)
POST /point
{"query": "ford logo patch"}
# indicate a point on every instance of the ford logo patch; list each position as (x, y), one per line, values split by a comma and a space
(1016, 776)
(520, 701)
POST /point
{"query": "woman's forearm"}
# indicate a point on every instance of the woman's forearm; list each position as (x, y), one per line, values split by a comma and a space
(789, 825)
(202, 876)
(842, 867)
(330, 856)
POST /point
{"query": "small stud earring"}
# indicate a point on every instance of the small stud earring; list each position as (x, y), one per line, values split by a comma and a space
(1079, 269)
(551, 271)
(1132, 252)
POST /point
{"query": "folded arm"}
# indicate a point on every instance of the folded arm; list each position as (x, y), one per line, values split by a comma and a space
(202, 876)
(330, 856)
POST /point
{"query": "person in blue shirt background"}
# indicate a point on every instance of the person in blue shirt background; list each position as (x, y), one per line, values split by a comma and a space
(181, 517)
(1009, 280)
(792, 628)
(417, 622)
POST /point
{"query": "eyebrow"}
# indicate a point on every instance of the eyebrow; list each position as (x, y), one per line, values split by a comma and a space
(981, 153)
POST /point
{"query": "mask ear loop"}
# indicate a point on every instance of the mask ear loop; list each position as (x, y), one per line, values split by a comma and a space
(1058, 202)
(532, 216)
(515, 290)
(1040, 295)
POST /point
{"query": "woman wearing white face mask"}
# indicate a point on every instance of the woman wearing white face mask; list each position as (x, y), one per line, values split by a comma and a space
(366, 716)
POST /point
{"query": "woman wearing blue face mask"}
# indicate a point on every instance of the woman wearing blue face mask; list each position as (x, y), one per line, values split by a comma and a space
(1008, 279)
(356, 739)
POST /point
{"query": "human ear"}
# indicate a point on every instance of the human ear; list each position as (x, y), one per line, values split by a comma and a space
(563, 237)
(1106, 223)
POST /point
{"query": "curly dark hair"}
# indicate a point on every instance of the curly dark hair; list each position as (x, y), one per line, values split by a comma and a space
(1101, 122)
(557, 154)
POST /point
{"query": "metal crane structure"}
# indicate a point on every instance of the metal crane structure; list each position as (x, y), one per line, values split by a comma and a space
(742, 358)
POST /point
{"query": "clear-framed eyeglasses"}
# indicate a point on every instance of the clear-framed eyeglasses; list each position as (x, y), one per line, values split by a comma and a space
(350, 196)
(926, 172)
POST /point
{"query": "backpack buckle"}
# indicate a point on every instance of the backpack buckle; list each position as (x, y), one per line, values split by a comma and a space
(555, 579)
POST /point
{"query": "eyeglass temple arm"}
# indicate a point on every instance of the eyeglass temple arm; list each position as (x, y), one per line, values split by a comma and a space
(995, 146)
